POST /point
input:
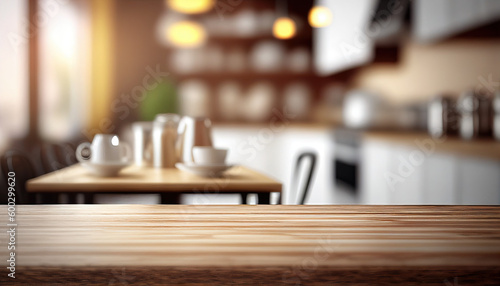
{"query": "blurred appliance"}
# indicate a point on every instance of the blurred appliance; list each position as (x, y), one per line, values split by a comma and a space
(442, 117)
(496, 115)
(363, 110)
(193, 131)
(359, 109)
(347, 157)
(475, 115)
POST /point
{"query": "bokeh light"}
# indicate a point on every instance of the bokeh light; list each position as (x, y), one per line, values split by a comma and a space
(186, 34)
(284, 28)
(191, 6)
(320, 16)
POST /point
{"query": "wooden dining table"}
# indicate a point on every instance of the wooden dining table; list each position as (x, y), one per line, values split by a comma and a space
(254, 244)
(169, 182)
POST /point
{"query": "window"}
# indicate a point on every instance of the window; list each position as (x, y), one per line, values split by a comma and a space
(13, 70)
(64, 71)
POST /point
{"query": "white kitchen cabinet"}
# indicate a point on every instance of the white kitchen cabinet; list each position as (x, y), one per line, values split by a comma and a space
(388, 175)
(436, 178)
(346, 42)
(394, 174)
(479, 181)
(440, 185)
(374, 166)
(407, 165)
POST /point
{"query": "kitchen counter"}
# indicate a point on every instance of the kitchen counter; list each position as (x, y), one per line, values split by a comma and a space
(483, 148)
(255, 244)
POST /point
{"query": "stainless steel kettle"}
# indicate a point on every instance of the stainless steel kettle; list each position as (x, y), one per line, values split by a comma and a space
(192, 131)
(496, 115)
(476, 115)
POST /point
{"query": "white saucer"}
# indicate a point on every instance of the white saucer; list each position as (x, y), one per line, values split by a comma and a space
(105, 169)
(203, 170)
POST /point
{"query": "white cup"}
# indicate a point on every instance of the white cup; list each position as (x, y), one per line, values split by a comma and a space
(209, 156)
(105, 149)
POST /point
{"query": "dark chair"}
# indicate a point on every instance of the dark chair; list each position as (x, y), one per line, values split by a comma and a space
(55, 156)
(20, 164)
(309, 176)
(295, 175)
(68, 151)
(3, 188)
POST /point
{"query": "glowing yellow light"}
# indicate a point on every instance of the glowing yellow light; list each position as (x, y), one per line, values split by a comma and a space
(186, 34)
(191, 6)
(284, 28)
(320, 16)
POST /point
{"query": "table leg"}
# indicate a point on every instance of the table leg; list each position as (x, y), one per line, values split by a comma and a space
(243, 198)
(170, 198)
(88, 198)
(264, 198)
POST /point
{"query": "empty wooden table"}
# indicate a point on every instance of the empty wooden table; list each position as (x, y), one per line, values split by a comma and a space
(273, 244)
(170, 183)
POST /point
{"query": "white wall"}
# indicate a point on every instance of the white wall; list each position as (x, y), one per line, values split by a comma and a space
(451, 66)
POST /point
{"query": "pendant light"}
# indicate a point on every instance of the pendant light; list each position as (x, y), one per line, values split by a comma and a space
(177, 30)
(186, 34)
(320, 16)
(191, 6)
(284, 27)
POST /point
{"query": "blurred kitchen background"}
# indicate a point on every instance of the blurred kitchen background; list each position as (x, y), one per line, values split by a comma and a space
(399, 100)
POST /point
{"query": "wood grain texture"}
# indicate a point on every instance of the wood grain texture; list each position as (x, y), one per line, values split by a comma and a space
(365, 276)
(486, 148)
(252, 244)
(139, 179)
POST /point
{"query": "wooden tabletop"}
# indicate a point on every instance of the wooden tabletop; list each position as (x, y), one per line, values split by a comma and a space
(282, 243)
(138, 179)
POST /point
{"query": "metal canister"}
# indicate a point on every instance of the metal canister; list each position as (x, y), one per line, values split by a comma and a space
(164, 140)
(496, 115)
(475, 115)
(442, 116)
(468, 105)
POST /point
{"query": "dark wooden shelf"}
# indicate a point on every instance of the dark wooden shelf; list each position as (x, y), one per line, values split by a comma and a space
(248, 42)
(222, 76)
(304, 39)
